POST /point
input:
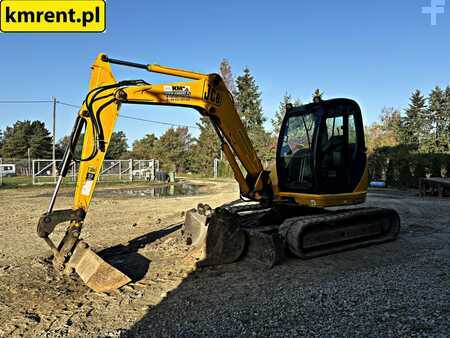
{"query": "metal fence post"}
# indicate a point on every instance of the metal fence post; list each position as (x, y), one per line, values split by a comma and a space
(32, 174)
(131, 170)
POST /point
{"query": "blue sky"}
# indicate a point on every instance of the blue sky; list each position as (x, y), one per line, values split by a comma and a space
(376, 52)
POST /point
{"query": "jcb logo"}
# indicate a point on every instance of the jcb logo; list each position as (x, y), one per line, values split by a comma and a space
(213, 96)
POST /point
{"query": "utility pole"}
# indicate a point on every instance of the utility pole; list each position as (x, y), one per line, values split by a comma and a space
(54, 136)
(29, 162)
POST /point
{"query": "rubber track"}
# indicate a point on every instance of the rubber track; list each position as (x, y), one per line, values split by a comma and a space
(292, 229)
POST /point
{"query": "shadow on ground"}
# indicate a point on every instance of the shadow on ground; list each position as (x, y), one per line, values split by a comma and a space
(394, 288)
(126, 258)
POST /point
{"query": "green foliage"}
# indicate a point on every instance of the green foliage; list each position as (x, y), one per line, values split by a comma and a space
(144, 149)
(1, 143)
(227, 75)
(419, 171)
(386, 133)
(390, 174)
(206, 149)
(447, 166)
(436, 167)
(412, 124)
(248, 99)
(172, 149)
(397, 162)
(117, 145)
(279, 115)
(64, 142)
(406, 179)
(24, 135)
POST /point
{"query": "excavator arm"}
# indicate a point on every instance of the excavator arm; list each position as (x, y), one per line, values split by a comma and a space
(206, 93)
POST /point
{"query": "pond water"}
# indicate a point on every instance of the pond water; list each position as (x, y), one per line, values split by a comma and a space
(169, 190)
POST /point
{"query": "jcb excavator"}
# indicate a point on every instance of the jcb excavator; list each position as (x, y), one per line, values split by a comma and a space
(320, 163)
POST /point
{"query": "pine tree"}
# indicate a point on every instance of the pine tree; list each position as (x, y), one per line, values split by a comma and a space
(435, 122)
(24, 135)
(248, 100)
(227, 75)
(279, 115)
(40, 142)
(412, 123)
(446, 140)
(1, 143)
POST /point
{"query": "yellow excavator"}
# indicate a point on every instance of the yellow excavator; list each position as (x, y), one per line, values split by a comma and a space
(320, 163)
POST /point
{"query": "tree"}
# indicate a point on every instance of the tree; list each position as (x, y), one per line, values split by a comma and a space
(405, 176)
(436, 167)
(412, 123)
(435, 123)
(1, 143)
(446, 131)
(279, 115)
(63, 143)
(24, 135)
(227, 75)
(172, 149)
(206, 148)
(317, 96)
(390, 174)
(144, 148)
(419, 171)
(249, 102)
(118, 145)
(384, 134)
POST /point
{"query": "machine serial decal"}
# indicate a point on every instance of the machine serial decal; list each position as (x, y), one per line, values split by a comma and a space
(87, 186)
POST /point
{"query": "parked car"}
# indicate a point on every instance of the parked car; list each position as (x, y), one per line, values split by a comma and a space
(7, 169)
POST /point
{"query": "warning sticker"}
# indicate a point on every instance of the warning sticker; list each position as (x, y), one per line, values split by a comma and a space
(87, 186)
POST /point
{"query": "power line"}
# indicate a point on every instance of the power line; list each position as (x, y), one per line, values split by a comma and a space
(26, 101)
(137, 118)
(157, 122)
(67, 104)
(120, 115)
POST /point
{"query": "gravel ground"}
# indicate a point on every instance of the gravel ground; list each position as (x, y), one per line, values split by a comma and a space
(399, 289)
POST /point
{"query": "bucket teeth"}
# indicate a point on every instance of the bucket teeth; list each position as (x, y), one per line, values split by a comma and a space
(94, 271)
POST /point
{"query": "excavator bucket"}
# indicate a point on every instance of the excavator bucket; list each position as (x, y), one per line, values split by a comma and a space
(94, 271)
(214, 237)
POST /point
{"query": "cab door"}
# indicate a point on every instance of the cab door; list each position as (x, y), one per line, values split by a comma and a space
(340, 150)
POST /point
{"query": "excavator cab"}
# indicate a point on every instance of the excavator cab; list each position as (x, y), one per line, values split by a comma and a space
(321, 148)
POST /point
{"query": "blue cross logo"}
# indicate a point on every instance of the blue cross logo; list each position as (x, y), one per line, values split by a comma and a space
(436, 7)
